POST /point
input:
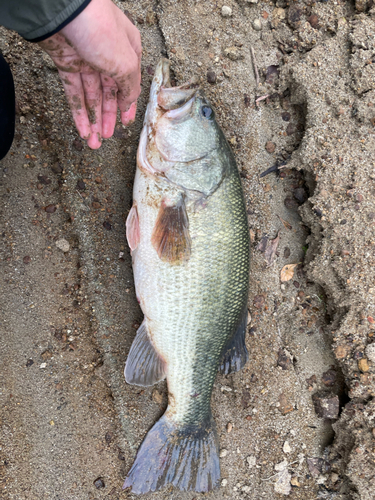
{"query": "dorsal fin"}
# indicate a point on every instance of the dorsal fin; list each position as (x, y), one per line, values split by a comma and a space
(170, 237)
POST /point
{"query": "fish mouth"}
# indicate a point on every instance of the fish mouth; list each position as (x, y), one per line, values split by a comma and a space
(176, 101)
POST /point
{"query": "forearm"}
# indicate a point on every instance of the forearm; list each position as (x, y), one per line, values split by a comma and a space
(36, 20)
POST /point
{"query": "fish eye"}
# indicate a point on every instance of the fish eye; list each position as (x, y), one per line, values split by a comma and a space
(207, 112)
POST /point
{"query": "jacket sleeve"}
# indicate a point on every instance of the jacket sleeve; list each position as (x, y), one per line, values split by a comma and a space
(36, 20)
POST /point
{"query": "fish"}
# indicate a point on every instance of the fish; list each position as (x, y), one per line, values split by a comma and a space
(189, 238)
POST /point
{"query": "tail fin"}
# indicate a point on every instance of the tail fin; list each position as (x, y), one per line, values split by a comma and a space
(186, 457)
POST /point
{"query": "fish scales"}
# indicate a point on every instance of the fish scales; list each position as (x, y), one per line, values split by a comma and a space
(190, 248)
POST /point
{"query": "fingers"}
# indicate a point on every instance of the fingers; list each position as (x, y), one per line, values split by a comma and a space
(93, 96)
(75, 95)
(128, 117)
(109, 110)
(129, 84)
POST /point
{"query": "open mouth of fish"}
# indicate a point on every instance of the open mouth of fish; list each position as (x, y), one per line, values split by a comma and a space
(173, 103)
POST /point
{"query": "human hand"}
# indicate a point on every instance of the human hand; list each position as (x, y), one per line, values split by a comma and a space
(98, 57)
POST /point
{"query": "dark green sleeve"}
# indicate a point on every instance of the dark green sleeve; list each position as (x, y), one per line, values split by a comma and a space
(36, 20)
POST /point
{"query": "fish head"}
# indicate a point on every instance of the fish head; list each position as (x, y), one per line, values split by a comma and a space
(181, 139)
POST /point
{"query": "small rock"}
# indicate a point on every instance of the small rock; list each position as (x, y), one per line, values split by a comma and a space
(233, 53)
(370, 352)
(29, 362)
(46, 355)
(77, 144)
(282, 484)
(43, 365)
(107, 225)
(108, 437)
(284, 405)
(363, 365)
(50, 209)
(272, 73)
(341, 351)
(57, 168)
(224, 482)
(270, 147)
(252, 1)
(286, 447)
(326, 405)
(329, 378)
(285, 116)
(294, 482)
(81, 186)
(334, 477)
(294, 15)
(257, 24)
(278, 15)
(286, 252)
(318, 466)
(258, 301)
(63, 245)
(43, 179)
(229, 427)
(223, 453)
(26, 259)
(98, 180)
(211, 77)
(251, 461)
(284, 359)
(226, 11)
(96, 205)
(99, 483)
(157, 397)
(314, 21)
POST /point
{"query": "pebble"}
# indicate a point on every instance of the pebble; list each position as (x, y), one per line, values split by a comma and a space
(284, 359)
(286, 447)
(107, 225)
(43, 365)
(326, 405)
(252, 1)
(29, 362)
(223, 453)
(341, 351)
(50, 209)
(233, 53)
(81, 186)
(294, 481)
(77, 144)
(211, 77)
(99, 483)
(270, 147)
(314, 21)
(370, 352)
(229, 427)
(363, 365)
(284, 405)
(226, 11)
(257, 25)
(329, 378)
(224, 482)
(63, 245)
(26, 259)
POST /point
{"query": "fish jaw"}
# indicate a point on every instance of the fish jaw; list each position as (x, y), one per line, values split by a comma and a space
(163, 99)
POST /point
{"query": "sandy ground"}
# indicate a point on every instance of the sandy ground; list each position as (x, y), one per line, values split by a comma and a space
(298, 421)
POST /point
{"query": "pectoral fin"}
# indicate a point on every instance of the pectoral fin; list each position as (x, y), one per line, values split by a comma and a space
(132, 228)
(170, 237)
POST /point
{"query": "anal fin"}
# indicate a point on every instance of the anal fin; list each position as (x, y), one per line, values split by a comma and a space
(235, 354)
(170, 237)
(144, 366)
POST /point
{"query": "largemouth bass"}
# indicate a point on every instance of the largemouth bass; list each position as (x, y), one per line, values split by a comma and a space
(189, 237)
